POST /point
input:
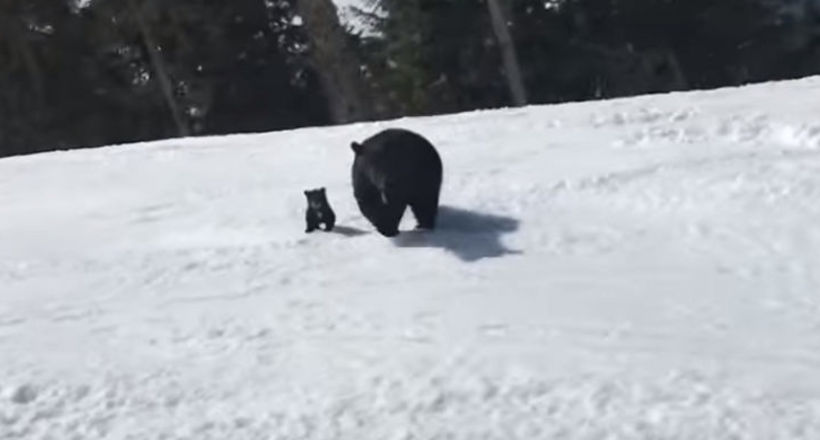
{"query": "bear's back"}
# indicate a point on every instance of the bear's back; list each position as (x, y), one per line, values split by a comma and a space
(397, 151)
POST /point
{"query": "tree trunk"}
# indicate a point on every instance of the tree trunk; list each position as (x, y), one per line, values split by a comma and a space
(680, 82)
(335, 62)
(158, 66)
(512, 69)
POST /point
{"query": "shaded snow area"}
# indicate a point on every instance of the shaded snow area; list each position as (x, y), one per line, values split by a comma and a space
(641, 268)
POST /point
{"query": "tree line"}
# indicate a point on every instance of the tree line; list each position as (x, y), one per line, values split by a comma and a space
(82, 73)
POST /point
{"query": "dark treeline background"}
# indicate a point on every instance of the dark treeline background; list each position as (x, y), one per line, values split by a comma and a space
(77, 73)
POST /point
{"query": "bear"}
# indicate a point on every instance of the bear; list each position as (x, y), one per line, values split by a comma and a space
(391, 170)
(318, 211)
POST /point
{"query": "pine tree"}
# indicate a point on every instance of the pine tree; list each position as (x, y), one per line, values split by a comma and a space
(335, 62)
(512, 70)
(436, 56)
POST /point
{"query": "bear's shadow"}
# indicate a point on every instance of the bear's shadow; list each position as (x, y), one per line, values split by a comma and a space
(470, 235)
(348, 231)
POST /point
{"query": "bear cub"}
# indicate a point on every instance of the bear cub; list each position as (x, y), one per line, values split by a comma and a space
(318, 211)
(392, 170)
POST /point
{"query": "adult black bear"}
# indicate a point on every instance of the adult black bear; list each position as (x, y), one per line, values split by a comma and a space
(318, 211)
(391, 170)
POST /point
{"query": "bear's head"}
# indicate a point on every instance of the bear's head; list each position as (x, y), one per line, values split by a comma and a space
(317, 198)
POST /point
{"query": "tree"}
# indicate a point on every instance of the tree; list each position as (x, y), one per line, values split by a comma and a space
(436, 56)
(153, 48)
(31, 45)
(512, 70)
(335, 62)
(227, 68)
(157, 46)
(260, 73)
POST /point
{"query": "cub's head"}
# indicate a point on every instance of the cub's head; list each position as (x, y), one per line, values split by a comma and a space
(316, 198)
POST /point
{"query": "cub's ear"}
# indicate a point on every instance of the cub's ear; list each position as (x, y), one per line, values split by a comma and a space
(322, 190)
(356, 147)
(307, 192)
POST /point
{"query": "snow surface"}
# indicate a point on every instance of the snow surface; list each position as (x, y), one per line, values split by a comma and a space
(630, 269)
(346, 10)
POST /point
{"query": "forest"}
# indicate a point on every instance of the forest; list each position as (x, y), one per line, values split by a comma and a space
(86, 73)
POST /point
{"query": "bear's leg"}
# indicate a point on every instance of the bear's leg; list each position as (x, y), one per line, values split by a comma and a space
(371, 209)
(369, 201)
(425, 211)
(312, 222)
(330, 221)
(390, 219)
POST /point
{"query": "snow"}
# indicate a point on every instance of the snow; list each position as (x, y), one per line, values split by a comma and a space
(638, 268)
(353, 21)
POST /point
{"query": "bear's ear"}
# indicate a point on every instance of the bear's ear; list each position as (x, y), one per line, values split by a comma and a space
(356, 147)
(307, 192)
(322, 190)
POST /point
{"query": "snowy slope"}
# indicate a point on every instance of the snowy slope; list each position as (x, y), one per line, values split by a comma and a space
(631, 269)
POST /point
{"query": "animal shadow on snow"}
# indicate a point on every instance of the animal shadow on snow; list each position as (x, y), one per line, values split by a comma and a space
(470, 235)
(348, 231)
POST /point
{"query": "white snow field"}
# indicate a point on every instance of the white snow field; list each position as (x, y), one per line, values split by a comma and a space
(641, 268)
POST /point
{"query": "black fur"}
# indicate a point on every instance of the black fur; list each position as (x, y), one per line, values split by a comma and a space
(394, 169)
(318, 211)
